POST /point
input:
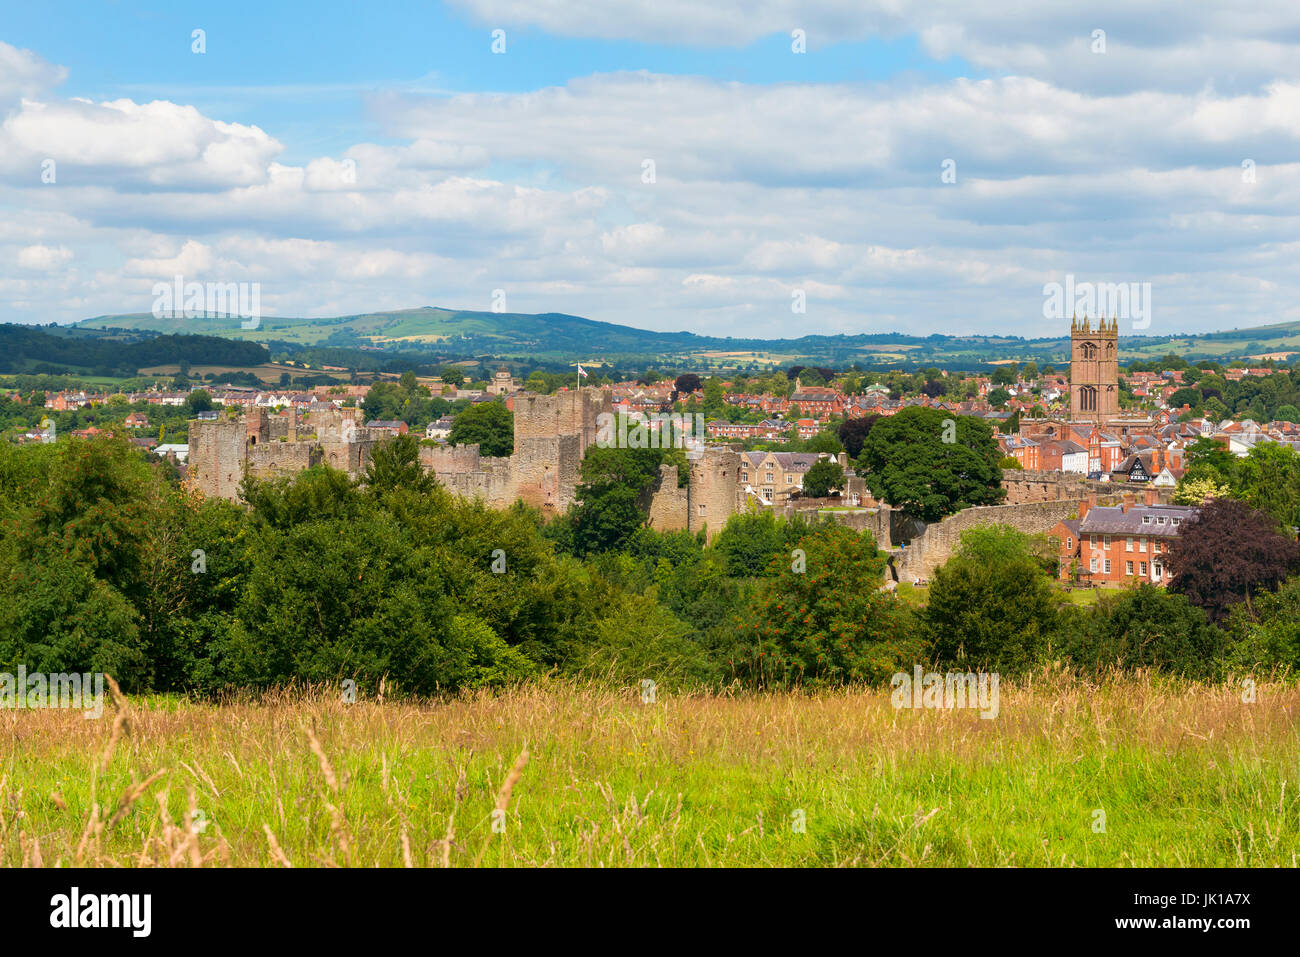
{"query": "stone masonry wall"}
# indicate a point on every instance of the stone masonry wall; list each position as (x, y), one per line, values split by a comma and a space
(216, 459)
(873, 520)
(668, 503)
(1037, 485)
(932, 548)
(713, 494)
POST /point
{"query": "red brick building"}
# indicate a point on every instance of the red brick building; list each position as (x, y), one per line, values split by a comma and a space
(1123, 543)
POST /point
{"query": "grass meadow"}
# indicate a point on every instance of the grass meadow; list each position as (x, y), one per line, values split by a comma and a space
(1130, 771)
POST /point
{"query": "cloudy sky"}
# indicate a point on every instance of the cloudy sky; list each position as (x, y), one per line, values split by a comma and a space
(667, 164)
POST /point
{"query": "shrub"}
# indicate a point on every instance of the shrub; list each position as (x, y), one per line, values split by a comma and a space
(826, 624)
(991, 605)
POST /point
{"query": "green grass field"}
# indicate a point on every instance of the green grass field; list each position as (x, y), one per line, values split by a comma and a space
(1129, 772)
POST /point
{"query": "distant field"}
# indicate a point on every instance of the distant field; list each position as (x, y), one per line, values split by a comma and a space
(268, 372)
(1131, 772)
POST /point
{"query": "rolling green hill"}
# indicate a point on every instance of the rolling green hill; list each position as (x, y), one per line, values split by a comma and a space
(449, 334)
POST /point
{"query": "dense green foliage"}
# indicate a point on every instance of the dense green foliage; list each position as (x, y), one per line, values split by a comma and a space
(991, 606)
(822, 476)
(489, 424)
(107, 563)
(1266, 478)
(930, 463)
(30, 349)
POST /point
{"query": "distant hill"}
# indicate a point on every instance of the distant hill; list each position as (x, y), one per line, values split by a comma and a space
(34, 349)
(439, 333)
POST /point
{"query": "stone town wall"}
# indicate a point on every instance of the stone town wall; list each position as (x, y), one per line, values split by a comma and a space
(927, 551)
(1039, 485)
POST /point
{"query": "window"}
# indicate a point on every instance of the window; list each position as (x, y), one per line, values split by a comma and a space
(1092, 565)
(1108, 541)
(1146, 519)
(1155, 547)
(1069, 544)
(789, 480)
(1142, 544)
(1144, 569)
(1128, 544)
(1128, 568)
(1160, 520)
(769, 476)
(1175, 521)
(1108, 566)
(701, 509)
(1092, 540)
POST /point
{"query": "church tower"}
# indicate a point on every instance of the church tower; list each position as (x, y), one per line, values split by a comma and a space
(1094, 370)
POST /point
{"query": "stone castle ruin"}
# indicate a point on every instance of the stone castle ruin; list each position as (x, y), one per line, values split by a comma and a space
(269, 446)
(552, 434)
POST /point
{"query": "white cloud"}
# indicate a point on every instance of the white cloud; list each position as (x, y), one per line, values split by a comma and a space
(158, 144)
(1160, 44)
(44, 258)
(760, 189)
(23, 73)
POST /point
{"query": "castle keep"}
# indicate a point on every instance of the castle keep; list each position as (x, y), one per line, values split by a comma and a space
(552, 434)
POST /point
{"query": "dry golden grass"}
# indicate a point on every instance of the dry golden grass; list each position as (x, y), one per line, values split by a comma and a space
(582, 775)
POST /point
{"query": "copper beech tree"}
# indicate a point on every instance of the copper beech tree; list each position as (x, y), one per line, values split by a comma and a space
(1229, 553)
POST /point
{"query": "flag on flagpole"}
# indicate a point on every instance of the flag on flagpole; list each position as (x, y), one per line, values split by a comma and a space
(582, 373)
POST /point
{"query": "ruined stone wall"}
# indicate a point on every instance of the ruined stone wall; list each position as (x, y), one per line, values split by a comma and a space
(282, 427)
(464, 472)
(927, 551)
(216, 457)
(276, 459)
(351, 457)
(552, 433)
(565, 413)
(493, 487)
(713, 493)
(447, 459)
(545, 470)
(669, 505)
(873, 520)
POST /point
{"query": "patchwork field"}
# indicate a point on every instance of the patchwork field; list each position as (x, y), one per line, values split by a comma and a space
(268, 372)
(1128, 772)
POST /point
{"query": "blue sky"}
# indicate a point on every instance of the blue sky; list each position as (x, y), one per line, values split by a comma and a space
(364, 156)
(306, 77)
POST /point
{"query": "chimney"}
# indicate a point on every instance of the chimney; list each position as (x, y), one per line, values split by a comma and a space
(1086, 505)
(1149, 496)
(1129, 501)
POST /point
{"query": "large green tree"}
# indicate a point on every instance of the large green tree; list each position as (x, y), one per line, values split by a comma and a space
(931, 463)
(821, 477)
(490, 424)
(613, 496)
